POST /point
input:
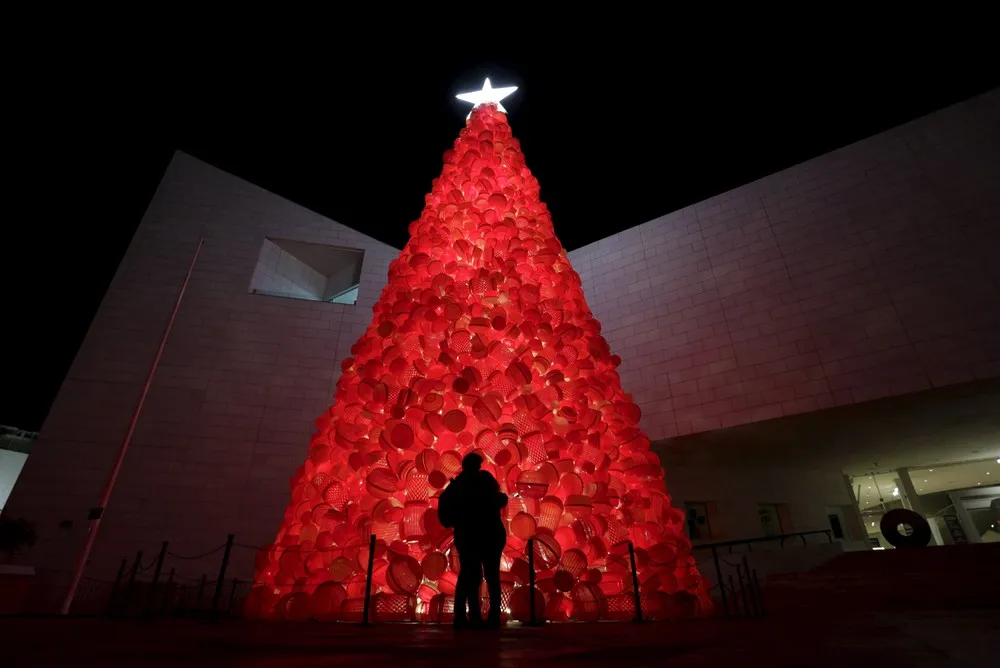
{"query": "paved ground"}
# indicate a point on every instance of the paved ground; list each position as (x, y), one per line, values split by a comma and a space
(914, 640)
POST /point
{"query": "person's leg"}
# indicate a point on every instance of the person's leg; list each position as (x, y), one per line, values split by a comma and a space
(475, 586)
(470, 577)
(461, 591)
(491, 571)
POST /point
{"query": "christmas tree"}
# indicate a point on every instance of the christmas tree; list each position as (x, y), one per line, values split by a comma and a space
(481, 341)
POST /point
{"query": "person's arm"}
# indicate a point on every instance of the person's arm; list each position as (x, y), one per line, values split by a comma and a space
(445, 509)
(501, 497)
(489, 485)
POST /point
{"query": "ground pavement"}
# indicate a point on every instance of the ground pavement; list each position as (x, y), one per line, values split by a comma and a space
(939, 638)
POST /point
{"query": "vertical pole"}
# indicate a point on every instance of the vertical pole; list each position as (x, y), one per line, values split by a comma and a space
(114, 589)
(635, 583)
(855, 522)
(722, 585)
(368, 579)
(222, 574)
(201, 589)
(907, 492)
(156, 576)
(232, 597)
(532, 614)
(760, 599)
(131, 581)
(97, 513)
(750, 586)
(743, 590)
(170, 593)
(965, 521)
(736, 599)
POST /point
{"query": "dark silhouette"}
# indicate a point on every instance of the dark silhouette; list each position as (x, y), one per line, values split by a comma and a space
(471, 505)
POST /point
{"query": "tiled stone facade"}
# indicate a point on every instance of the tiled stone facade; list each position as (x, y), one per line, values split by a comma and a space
(866, 272)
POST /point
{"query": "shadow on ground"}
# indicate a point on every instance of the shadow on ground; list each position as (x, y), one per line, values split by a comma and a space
(941, 638)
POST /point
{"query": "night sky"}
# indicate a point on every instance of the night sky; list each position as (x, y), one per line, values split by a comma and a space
(615, 136)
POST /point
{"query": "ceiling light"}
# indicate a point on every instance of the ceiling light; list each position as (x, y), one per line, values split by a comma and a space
(895, 491)
(998, 460)
(873, 524)
(932, 470)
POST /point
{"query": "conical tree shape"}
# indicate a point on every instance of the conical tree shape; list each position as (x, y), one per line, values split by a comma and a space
(481, 340)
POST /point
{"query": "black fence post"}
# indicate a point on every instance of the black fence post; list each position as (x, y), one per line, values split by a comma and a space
(156, 577)
(114, 589)
(222, 574)
(232, 597)
(131, 582)
(635, 583)
(760, 598)
(165, 605)
(722, 583)
(532, 613)
(750, 586)
(201, 590)
(743, 590)
(368, 580)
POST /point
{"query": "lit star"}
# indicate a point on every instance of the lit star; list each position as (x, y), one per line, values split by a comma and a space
(487, 95)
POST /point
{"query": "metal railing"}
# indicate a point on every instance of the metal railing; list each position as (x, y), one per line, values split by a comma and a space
(781, 538)
(152, 587)
(749, 586)
(167, 593)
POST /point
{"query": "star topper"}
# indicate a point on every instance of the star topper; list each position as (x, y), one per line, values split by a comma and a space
(486, 95)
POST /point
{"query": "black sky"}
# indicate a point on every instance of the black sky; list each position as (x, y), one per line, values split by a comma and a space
(354, 126)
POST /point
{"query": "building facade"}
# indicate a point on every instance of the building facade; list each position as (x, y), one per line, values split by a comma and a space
(862, 274)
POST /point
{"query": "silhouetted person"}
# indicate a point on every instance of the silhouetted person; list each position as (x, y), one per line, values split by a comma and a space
(471, 504)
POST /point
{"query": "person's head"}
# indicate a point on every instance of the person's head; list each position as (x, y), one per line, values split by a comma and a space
(472, 462)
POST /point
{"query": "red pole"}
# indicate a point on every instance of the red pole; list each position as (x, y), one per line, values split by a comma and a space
(98, 512)
(368, 580)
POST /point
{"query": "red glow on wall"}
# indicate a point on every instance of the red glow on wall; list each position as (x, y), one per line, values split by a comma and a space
(481, 340)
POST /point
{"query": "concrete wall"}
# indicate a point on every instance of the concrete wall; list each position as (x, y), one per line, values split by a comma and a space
(808, 495)
(339, 281)
(11, 464)
(230, 412)
(280, 273)
(737, 491)
(867, 272)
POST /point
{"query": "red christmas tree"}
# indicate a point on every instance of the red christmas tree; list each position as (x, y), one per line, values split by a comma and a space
(481, 341)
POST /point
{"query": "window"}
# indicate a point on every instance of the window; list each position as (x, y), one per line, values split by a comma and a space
(698, 524)
(835, 525)
(775, 518)
(301, 270)
(770, 520)
(840, 526)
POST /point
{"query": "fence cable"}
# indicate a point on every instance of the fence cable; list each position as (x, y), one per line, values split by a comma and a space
(152, 562)
(197, 556)
(250, 547)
